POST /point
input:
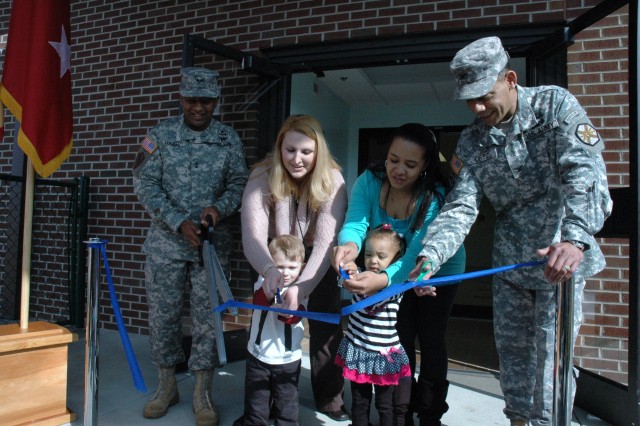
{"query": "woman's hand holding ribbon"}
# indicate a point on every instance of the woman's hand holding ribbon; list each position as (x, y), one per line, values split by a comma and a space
(344, 254)
(273, 279)
(290, 298)
(366, 283)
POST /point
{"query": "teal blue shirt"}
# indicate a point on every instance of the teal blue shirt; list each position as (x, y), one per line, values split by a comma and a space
(364, 212)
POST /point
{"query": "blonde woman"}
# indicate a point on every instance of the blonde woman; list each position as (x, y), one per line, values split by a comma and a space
(299, 190)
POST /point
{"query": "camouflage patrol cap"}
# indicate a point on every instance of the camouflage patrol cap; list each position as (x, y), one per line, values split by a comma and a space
(199, 83)
(476, 67)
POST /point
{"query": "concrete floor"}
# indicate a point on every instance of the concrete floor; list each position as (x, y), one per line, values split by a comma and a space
(474, 395)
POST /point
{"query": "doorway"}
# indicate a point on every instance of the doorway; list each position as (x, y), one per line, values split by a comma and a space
(470, 334)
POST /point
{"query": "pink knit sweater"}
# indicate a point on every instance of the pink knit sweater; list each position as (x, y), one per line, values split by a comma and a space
(263, 219)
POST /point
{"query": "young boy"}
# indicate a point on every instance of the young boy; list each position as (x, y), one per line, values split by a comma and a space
(274, 347)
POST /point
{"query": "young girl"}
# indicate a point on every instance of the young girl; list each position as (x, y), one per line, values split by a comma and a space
(408, 191)
(370, 354)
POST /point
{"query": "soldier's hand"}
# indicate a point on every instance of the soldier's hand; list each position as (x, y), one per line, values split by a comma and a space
(563, 260)
(422, 271)
(210, 211)
(426, 290)
(191, 232)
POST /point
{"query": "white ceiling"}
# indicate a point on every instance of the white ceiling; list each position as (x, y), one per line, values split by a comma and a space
(392, 85)
(399, 84)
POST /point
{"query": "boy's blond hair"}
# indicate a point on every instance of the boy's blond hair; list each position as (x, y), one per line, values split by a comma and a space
(290, 245)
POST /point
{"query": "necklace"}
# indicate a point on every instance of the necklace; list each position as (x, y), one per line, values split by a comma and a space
(294, 208)
(294, 213)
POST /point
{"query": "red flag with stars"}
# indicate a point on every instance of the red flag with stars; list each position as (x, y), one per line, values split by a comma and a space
(36, 80)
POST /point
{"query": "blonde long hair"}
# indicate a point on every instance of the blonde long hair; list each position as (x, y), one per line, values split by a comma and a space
(319, 179)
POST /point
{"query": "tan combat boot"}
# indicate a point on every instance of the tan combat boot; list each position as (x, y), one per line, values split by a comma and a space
(204, 410)
(519, 422)
(165, 396)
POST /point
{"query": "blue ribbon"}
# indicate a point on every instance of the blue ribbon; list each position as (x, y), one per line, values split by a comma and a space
(394, 289)
(390, 291)
(318, 316)
(138, 380)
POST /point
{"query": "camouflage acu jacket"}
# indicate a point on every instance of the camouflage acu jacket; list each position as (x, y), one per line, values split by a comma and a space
(179, 172)
(544, 176)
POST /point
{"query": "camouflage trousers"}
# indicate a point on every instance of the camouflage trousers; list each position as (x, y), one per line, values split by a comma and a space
(524, 323)
(166, 281)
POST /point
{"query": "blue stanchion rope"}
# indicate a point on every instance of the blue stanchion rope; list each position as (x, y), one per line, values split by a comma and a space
(138, 380)
(388, 292)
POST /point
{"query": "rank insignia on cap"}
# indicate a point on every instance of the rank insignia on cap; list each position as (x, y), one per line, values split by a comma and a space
(587, 134)
(456, 164)
(149, 145)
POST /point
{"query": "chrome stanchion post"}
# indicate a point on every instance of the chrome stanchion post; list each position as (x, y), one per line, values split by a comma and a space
(91, 346)
(562, 389)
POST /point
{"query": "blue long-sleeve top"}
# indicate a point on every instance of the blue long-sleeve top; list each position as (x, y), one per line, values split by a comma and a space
(364, 212)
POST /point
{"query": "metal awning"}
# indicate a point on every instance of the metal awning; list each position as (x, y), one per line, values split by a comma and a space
(438, 46)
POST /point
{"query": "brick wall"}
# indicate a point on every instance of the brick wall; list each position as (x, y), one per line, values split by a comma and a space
(126, 60)
(5, 148)
(598, 76)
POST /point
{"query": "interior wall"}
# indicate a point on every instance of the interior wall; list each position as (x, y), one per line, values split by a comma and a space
(309, 96)
(342, 122)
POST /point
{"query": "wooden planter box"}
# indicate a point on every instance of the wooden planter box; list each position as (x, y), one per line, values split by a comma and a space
(33, 374)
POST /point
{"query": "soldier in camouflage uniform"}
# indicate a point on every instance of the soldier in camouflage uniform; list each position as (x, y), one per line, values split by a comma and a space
(534, 154)
(189, 167)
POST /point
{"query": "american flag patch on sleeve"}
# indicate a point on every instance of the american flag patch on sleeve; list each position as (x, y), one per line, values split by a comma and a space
(149, 145)
(456, 164)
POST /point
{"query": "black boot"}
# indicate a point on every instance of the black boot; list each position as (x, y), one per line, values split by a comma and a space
(401, 399)
(432, 402)
(413, 405)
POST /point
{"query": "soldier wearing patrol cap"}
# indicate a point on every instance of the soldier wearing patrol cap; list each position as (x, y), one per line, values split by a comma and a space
(188, 167)
(534, 154)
